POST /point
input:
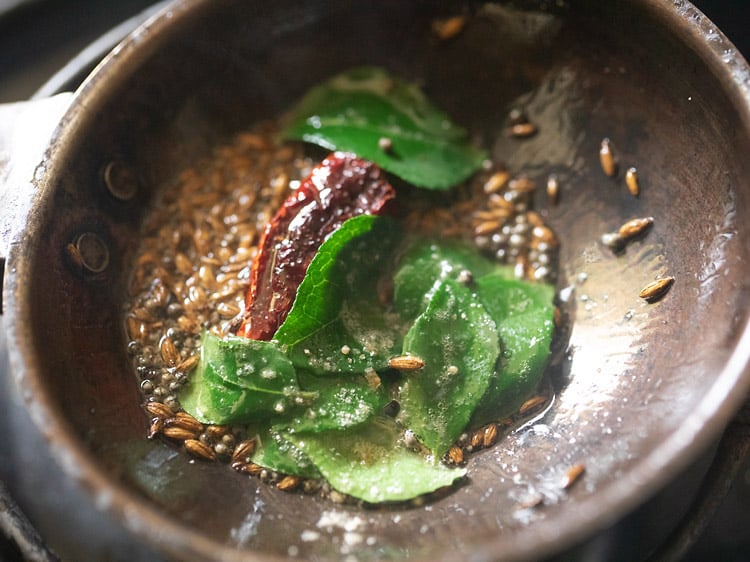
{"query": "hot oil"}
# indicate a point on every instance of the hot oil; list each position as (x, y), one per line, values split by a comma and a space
(193, 268)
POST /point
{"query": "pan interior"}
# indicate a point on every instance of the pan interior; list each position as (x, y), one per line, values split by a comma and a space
(633, 373)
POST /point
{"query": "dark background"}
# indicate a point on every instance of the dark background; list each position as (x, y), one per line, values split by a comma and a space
(39, 37)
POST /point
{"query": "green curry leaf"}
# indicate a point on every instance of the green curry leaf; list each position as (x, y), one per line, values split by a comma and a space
(458, 341)
(485, 342)
(239, 380)
(524, 313)
(427, 261)
(369, 463)
(353, 111)
(276, 452)
(337, 324)
(340, 403)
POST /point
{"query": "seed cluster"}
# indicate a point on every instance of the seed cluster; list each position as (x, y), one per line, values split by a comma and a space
(508, 229)
(193, 266)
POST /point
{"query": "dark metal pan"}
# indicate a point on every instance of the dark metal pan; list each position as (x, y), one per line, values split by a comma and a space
(643, 390)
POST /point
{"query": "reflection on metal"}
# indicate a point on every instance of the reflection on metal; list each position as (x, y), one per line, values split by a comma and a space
(121, 180)
(89, 252)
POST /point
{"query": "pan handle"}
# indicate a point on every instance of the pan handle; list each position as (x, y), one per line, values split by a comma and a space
(26, 129)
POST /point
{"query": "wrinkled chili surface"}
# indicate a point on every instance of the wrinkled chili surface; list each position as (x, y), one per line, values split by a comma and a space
(340, 187)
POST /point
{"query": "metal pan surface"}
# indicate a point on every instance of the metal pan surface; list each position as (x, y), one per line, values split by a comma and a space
(643, 389)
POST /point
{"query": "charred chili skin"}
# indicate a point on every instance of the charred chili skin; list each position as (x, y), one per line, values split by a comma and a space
(340, 187)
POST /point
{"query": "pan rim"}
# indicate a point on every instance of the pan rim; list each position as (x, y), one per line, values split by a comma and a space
(139, 516)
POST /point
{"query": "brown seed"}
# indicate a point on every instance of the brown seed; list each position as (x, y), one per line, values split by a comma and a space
(456, 455)
(496, 182)
(553, 189)
(249, 468)
(497, 201)
(179, 433)
(490, 435)
(232, 290)
(188, 324)
(448, 28)
(631, 180)
(572, 475)
(143, 315)
(406, 363)
(607, 158)
(477, 439)
(199, 449)
(522, 269)
(136, 329)
(183, 264)
(168, 351)
(207, 277)
(227, 310)
(159, 295)
(482, 216)
(157, 424)
(217, 431)
(531, 404)
(159, 410)
(534, 218)
(188, 364)
(521, 184)
(197, 295)
(288, 483)
(244, 450)
(211, 261)
(487, 227)
(544, 234)
(185, 421)
(523, 130)
(656, 289)
(635, 227)
(557, 317)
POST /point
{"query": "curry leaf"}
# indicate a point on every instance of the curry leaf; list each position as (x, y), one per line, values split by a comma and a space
(458, 341)
(355, 110)
(369, 463)
(340, 403)
(337, 324)
(239, 380)
(276, 452)
(427, 261)
(212, 400)
(524, 315)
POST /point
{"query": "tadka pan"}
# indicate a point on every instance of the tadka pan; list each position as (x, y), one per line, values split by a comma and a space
(643, 390)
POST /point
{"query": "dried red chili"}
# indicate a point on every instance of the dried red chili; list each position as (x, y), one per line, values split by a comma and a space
(340, 187)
